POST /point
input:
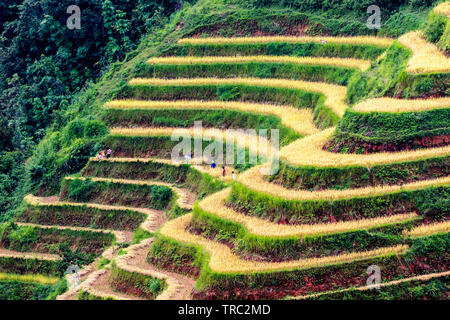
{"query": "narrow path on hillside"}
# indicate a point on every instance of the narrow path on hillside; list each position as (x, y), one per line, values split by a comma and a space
(95, 281)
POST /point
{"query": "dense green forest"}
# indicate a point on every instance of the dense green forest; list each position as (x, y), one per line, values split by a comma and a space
(53, 80)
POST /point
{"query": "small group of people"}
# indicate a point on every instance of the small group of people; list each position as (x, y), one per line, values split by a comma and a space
(224, 171)
(108, 154)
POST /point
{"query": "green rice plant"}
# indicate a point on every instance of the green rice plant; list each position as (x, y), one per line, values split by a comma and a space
(431, 286)
(18, 287)
(108, 192)
(19, 265)
(49, 240)
(135, 283)
(229, 119)
(198, 254)
(309, 49)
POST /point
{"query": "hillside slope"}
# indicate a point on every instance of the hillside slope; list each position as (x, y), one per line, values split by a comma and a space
(351, 191)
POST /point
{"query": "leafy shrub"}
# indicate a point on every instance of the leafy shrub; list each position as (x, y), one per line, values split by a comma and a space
(80, 190)
(435, 205)
(95, 129)
(103, 262)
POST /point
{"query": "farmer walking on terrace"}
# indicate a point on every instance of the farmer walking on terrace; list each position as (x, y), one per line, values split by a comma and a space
(108, 153)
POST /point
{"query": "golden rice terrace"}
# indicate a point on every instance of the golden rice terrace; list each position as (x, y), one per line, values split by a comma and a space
(354, 183)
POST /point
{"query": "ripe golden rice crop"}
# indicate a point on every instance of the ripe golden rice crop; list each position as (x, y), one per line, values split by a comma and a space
(426, 57)
(224, 261)
(358, 40)
(214, 204)
(335, 95)
(401, 105)
(429, 229)
(30, 278)
(308, 152)
(253, 179)
(182, 194)
(443, 8)
(156, 160)
(254, 143)
(323, 61)
(299, 120)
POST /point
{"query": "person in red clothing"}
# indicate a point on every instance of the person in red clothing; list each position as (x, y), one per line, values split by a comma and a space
(223, 171)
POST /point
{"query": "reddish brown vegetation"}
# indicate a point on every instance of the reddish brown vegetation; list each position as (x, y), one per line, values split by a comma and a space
(350, 146)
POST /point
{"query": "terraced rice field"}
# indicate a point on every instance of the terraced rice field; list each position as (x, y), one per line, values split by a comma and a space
(212, 258)
(443, 8)
(426, 57)
(299, 120)
(335, 95)
(224, 261)
(323, 61)
(215, 204)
